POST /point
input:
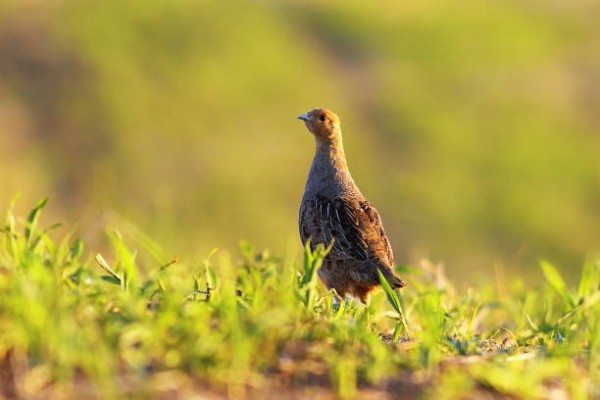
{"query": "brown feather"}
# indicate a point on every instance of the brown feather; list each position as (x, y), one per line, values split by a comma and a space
(334, 212)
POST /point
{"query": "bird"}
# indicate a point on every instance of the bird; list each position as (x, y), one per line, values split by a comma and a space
(334, 212)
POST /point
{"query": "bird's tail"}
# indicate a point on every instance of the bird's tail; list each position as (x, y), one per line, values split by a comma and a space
(393, 280)
(396, 282)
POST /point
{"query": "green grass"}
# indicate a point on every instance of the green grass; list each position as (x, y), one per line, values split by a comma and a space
(134, 323)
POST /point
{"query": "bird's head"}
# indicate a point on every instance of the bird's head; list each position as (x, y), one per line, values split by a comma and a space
(322, 123)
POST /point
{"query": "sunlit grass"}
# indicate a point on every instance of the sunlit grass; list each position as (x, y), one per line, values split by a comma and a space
(126, 323)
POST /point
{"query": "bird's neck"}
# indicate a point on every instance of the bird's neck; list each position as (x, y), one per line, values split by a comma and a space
(329, 173)
(332, 156)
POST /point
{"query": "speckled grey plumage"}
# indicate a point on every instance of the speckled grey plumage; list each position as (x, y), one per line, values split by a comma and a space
(333, 209)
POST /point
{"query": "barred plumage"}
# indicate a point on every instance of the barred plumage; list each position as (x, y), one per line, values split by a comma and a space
(334, 211)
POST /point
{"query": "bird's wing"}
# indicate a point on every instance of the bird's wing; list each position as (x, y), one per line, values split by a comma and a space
(354, 227)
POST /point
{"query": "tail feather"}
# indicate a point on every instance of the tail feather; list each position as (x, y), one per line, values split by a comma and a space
(397, 283)
(394, 281)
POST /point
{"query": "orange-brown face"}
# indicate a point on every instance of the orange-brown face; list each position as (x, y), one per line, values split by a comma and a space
(321, 122)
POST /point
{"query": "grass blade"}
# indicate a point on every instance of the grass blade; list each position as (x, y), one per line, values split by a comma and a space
(33, 217)
(556, 281)
(389, 292)
(104, 265)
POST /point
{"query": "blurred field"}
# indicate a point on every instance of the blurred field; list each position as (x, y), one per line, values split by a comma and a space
(472, 126)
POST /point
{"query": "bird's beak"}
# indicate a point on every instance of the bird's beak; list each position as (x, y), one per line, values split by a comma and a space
(304, 117)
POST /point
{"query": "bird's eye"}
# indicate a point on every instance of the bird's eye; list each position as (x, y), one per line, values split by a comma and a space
(322, 118)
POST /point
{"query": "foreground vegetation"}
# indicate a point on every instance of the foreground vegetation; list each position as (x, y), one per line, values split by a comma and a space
(132, 323)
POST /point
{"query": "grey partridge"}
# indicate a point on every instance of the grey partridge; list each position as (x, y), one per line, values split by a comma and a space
(335, 212)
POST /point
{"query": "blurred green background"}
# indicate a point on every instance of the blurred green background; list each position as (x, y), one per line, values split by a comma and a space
(473, 126)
